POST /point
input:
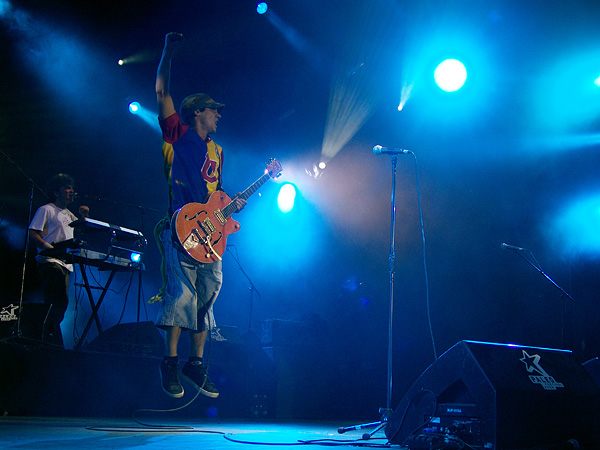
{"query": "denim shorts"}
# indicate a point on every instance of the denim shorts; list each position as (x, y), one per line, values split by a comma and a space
(192, 288)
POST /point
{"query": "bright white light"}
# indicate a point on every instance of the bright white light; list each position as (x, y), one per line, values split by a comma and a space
(322, 165)
(134, 107)
(450, 75)
(121, 62)
(286, 197)
(147, 115)
(597, 82)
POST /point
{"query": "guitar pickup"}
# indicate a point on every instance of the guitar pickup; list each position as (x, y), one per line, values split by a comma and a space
(220, 217)
(207, 226)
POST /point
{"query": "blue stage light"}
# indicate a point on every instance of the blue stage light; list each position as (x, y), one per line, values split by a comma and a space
(135, 257)
(262, 8)
(579, 223)
(5, 7)
(286, 197)
(450, 75)
(134, 107)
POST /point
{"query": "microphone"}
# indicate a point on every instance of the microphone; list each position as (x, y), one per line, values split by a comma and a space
(379, 150)
(511, 247)
(75, 195)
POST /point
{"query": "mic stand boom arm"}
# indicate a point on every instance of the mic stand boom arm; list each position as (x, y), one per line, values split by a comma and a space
(537, 267)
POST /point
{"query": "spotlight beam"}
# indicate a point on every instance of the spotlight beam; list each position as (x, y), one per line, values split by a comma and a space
(147, 115)
(355, 91)
(349, 108)
(140, 57)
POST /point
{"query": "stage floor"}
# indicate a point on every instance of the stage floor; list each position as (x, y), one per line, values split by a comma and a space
(94, 433)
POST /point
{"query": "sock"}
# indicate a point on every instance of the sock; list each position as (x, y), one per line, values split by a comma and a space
(195, 360)
(171, 359)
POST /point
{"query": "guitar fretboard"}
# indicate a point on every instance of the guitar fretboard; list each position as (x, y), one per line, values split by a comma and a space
(231, 208)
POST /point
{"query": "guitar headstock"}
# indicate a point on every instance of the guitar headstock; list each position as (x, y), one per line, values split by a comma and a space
(274, 168)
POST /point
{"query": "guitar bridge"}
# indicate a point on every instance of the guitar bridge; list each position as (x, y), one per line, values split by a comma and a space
(196, 238)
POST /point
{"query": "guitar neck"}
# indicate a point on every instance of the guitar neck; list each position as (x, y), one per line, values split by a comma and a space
(231, 208)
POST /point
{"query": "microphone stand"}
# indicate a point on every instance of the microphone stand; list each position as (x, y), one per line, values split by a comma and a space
(536, 265)
(387, 411)
(251, 288)
(19, 333)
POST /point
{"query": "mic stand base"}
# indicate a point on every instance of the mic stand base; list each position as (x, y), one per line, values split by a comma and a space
(18, 339)
(379, 425)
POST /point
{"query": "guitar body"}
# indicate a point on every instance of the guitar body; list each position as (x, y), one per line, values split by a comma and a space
(202, 228)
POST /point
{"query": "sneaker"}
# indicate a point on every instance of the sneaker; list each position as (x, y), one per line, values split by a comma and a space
(169, 379)
(195, 374)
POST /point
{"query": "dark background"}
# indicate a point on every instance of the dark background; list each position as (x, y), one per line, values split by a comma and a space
(512, 157)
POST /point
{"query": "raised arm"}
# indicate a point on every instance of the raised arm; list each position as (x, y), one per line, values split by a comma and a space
(166, 107)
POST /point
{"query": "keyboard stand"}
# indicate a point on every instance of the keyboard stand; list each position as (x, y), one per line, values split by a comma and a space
(95, 306)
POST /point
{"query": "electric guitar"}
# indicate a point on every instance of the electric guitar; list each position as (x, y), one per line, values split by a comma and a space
(202, 228)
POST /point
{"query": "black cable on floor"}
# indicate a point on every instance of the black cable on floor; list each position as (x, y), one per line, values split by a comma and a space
(326, 442)
(360, 442)
(151, 429)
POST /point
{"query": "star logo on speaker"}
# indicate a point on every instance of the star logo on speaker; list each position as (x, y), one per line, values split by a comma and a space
(532, 364)
(7, 313)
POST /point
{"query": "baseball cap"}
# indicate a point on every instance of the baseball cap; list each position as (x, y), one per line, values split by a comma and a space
(194, 102)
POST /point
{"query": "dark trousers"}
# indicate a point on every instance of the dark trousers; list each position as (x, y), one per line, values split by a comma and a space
(55, 280)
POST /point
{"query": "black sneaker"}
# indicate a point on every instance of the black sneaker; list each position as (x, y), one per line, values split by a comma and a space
(195, 374)
(169, 379)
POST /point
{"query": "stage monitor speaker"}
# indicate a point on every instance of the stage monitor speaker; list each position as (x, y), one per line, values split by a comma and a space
(495, 397)
(137, 338)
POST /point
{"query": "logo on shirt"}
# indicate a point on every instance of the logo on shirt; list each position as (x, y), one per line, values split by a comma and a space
(65, 218)
(209, 170)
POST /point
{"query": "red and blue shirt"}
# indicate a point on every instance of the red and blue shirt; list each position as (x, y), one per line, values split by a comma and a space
(195, 165)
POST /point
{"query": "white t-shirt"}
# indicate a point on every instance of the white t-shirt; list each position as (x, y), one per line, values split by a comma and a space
(53, 223)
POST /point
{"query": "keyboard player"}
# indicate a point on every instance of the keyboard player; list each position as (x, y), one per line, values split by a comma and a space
(50, 227)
